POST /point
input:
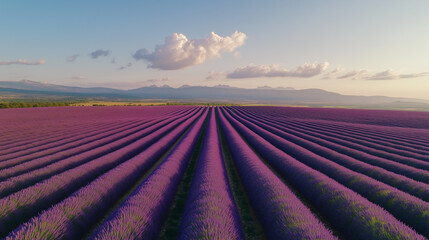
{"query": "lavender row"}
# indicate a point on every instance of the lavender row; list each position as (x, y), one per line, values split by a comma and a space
(400, 166)
(281, 213)
(30, 132)
(72, 217)
(407, 208)
(23, 204)
(404, 119)
(47, 121)
(27, 163)
(411, 135)
(81, 156)
(385, 145)
(49, 132)
(85, 114)
(145, 210)
(414, 138)
(84, 152)
(70, 152)
(357, 160)
(326, 149)
(379, 141)
(38, 149)
(210, 211)
(373, 148)
(407, 134)
(67, 127)
(60, 135)
(353, 215)
(68, 148)
(362, 144)
(45, 134)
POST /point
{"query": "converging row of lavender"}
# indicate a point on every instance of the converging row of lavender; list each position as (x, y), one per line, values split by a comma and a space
(194, 172)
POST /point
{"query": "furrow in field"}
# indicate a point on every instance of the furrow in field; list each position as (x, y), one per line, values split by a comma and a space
(23, 164)
(281, 213)
(43, 135)
(28, 202)
(407, 208)
(381, 147)
(170, 228)
(384, 144)
(350, 213)
(14, 184)
(383, 141)
(210, 210)
(331, 151)
(252, 227)
(38, 149)
(361, 161)
(18, 160)
(72, 217)
(403, 134)
(421, 164)
(146, 209)
(44, 132)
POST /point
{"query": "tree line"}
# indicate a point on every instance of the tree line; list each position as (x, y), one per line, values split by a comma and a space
(33, 104)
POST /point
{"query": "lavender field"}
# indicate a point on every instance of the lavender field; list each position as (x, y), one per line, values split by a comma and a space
(194, 172)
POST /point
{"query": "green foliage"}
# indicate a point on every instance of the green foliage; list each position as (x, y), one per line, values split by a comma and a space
(33, 104)
(7, 103)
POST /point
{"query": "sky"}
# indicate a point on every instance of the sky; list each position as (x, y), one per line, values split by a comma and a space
(350, 47)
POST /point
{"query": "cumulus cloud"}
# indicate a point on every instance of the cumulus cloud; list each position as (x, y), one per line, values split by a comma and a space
(215, 75)
(72, 58)
(99, 53)
(391, 74)
(126, 66)
(356, 74)
(24, 62)
(178, 52)
(306, 70)
(332, 74)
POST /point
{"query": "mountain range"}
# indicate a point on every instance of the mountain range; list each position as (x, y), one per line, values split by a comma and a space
(27, 89)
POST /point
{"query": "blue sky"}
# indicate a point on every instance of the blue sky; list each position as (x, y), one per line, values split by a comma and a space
(350, 47)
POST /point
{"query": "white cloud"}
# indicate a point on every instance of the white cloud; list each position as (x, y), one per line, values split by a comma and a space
(332, 74)
(24, 62)
(72, 58)
(391, 74)
(99, 53)
(356, 74)
(178, 52)
(215, 75)
(385, 75)
(306, 70)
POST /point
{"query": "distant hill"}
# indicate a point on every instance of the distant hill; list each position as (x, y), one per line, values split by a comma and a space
(46, 87)
(220, 93)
